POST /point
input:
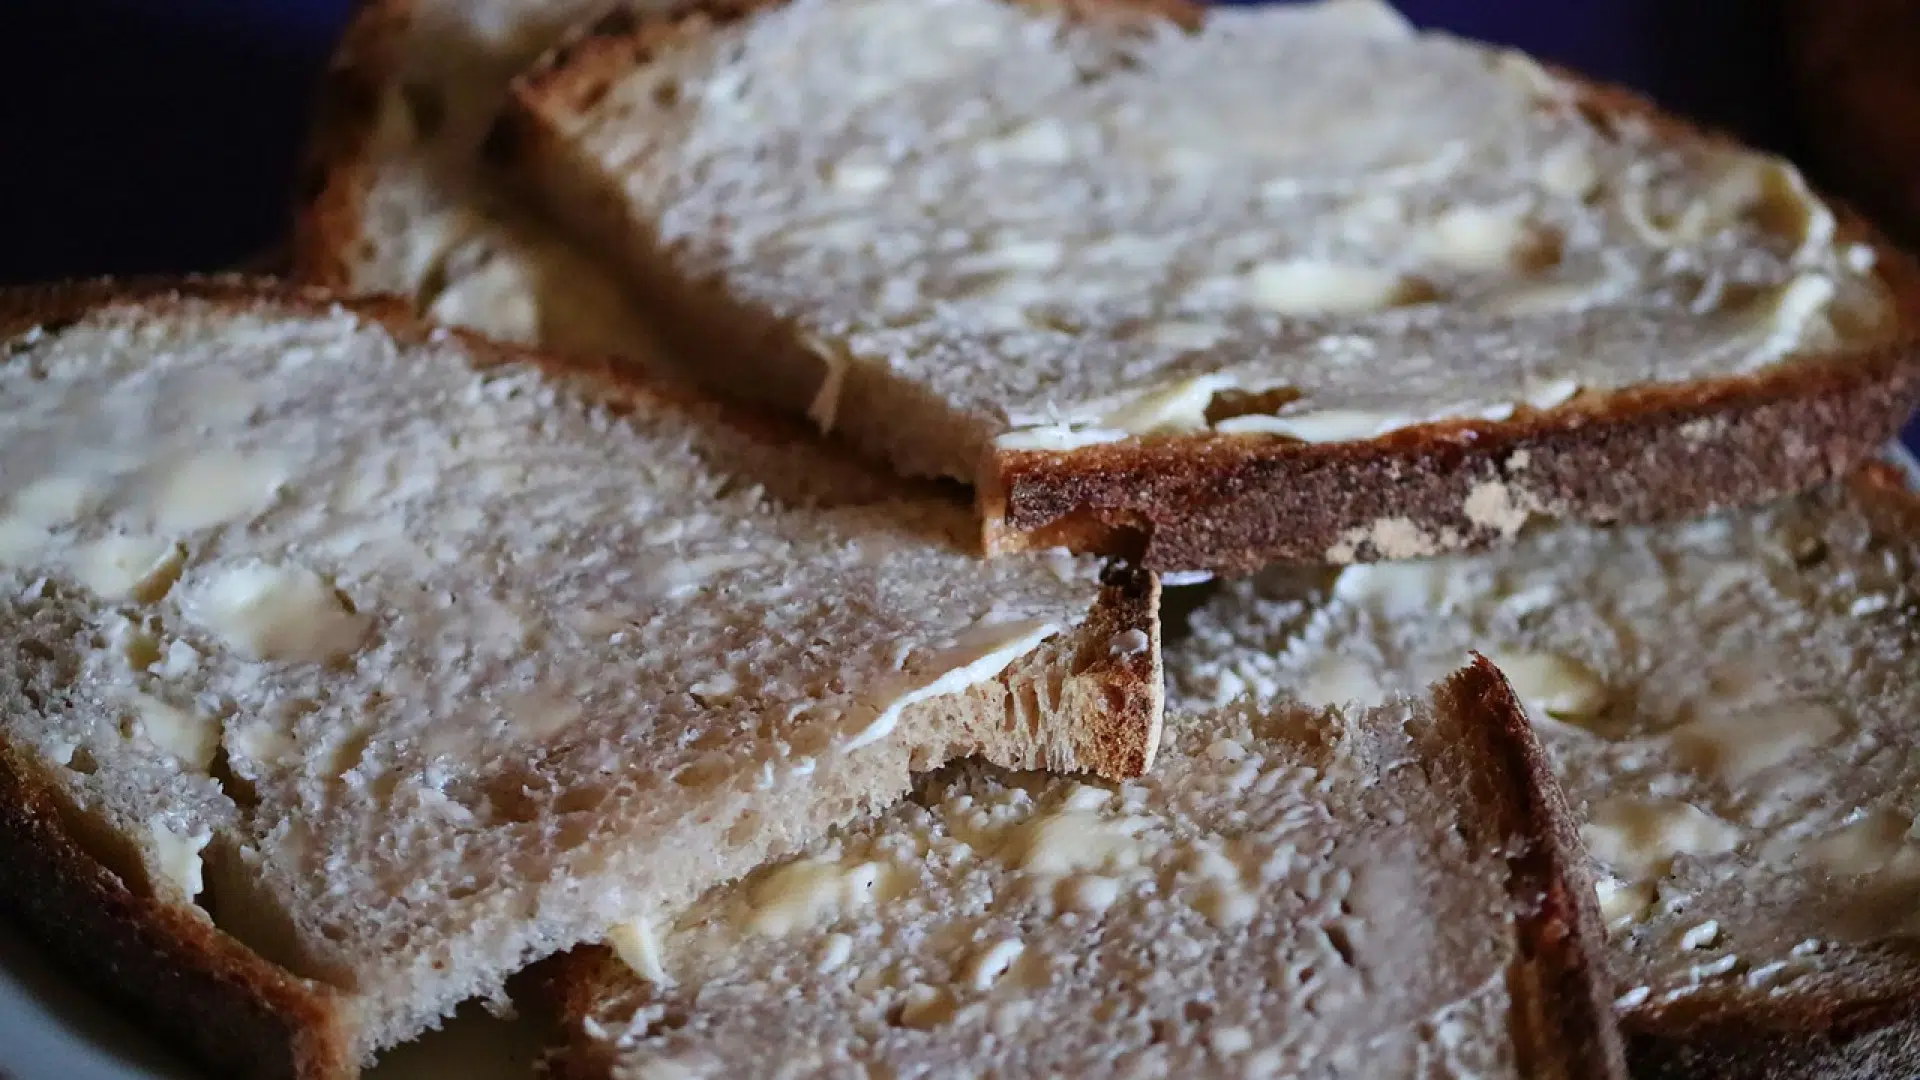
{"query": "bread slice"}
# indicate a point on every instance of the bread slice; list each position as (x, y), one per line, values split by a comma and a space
(1289, 283)
(352, 666)
(1289, 893)
(392, 199)
(1730, 706)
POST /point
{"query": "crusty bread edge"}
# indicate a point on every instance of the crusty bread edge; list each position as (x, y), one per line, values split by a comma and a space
(1645, 454)
(1561, 995)
(1231, 504)
(335, 171)
(164, 962)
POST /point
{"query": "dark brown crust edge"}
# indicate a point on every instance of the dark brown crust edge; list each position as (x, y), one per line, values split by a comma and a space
(1862, 1038)
(1562, 996)
(1230, 504)
(1122, 739)
(1643, 455)
(331, 185)
(165, 964)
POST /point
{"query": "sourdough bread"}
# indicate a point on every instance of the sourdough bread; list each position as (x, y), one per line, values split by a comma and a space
(353, 666)
(1729, 704)
(1294, 282)
(1289, 893)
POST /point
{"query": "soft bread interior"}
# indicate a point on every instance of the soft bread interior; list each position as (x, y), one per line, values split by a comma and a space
(411, 661)
(1308, 223)
(1728, 703)
(1290, 891)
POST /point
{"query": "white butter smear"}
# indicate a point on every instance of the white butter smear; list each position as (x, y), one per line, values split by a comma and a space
(974, 657)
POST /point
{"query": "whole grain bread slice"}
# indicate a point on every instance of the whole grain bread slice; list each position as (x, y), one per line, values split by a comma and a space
(1728, 704)
(1291, 892)
(353, 664)
(1295, 283)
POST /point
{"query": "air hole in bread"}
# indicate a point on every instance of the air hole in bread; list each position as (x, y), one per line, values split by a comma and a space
(746, 829)
(672, 1019)
(433, 282)
(1057, 320)
(1227, 404)
(426, 109)
(140, 649)
(707, 772)
(507, 800)
(237, 787)
(592, 94)
(666, 93)
(1541, 250)
(581, 799)
(1342, 942)
(573, 832)
(1197, 1012)
(1809, 551)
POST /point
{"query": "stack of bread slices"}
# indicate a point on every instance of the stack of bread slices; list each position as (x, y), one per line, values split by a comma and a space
(982, 538)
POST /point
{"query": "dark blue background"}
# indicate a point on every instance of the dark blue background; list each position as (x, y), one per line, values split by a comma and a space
(151, 135)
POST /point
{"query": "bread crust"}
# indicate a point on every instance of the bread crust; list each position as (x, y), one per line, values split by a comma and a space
(164, 963)
(1230, 504)
(335, 169)
(1562, 997)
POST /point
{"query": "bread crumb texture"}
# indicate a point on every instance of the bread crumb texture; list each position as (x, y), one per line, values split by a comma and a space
(410, 670)
(1311, 222)
(1285, 891)
(1728, 703)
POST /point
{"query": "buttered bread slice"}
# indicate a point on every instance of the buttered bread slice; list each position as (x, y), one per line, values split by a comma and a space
(1381, 894)
(1289, 283)
(1730, 705)
(352, 667)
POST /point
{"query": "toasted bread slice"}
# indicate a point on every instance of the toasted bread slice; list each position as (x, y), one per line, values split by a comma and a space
(1730, 706)
(352, 666)
(1394, 893)
(1292, 283)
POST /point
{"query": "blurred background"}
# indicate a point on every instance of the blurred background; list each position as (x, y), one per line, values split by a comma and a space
(161, 135)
